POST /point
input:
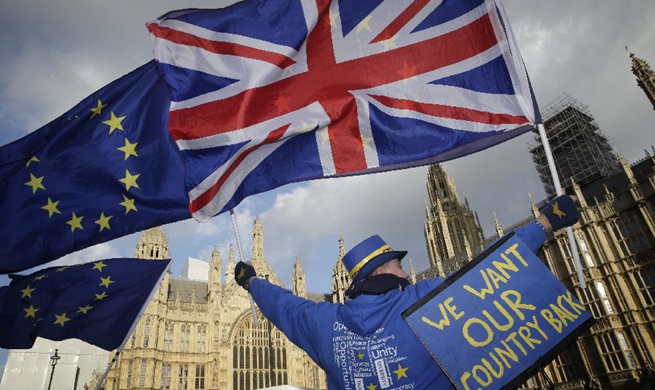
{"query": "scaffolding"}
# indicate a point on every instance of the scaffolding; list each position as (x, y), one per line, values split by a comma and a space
(580, 150)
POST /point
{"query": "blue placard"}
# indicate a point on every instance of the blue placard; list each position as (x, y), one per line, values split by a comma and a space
(495, 322)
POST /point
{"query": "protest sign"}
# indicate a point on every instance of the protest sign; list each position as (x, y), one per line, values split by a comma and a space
(500, 318)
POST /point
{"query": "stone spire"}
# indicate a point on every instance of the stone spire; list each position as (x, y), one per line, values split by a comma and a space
(412, 272)
(499, 228)
(340, 278)
(645, 76)
(577, 191)
(229, 268)
(450, 227)
(257, 241)
(533, 207)
(299, 283)
(153, 245)
(215, 266)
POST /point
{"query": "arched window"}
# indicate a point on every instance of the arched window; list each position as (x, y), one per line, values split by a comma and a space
(146, 334)
(185, 335)
(201, 338)
(259, 356)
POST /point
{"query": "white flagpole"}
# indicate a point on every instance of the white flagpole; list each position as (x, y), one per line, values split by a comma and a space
(255, 320)
(136, 319)
(558, 190)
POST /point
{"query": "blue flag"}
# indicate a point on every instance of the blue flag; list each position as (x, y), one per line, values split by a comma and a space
(94, 302)
(106, 168)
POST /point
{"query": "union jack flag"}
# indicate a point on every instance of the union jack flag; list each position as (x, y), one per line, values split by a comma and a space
(266, 93)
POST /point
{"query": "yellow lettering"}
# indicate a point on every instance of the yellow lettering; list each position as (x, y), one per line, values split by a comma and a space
(554, 322)
(510, 320)
(507, 352)
(562, 314)
(452, 309)
(488, 380)
(579, 309)
(464, 378)
(535, 325)
(484, 291)
(516, 304)
(512, 338)
(525, 334)
(496, 277)
(512, 250)
(470, 339)
(501, 369)
(508, 264)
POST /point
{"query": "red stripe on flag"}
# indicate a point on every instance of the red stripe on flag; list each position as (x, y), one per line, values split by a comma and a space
(227, 48)
(402, 19)
(207, 196)
(461, 113)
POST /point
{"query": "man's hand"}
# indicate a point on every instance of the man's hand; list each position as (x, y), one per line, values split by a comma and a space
(559, 213)
(243, 274)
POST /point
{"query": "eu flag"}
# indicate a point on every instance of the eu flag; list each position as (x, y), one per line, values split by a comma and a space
(94, 302)
(106, 168)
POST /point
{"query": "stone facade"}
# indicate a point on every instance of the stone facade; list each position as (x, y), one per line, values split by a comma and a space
(616, 243)
(452, 230)
(202, 335)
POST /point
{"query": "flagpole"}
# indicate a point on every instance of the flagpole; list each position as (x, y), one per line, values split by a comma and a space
(255, 320)
(129, 333)
(558, 191)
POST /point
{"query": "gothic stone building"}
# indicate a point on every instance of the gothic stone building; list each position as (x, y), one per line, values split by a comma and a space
(201, 335)
(616, 243)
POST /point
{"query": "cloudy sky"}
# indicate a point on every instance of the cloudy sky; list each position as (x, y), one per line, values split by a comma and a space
(54, 54)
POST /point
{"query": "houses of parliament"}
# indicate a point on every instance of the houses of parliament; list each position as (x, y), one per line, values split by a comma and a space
(201, 334)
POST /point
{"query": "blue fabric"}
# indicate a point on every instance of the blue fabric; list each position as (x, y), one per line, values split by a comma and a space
(364, 340)
(94, 302)
(60, 188)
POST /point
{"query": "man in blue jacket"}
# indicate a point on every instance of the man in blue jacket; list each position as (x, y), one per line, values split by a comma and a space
(364, 344)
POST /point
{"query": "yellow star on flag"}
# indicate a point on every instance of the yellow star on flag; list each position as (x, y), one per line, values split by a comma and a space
(390, 43)
(561, 214)
(106, 281)
(30, 311)
(129, 149)
(27, 291)
(128, 204)
(51, 207)
(36, 183)
(85, 309)
(130, 180)
(363, 25)
(401, 371)
(360, 356)
(334, 19)
(33, 159)
(61, 269)
(75, 222)
(40, 277)
(114, 123)
(371, 386)
(99, 265)
(61, 319)
(103, 222)
(98, 109)
(100, 297)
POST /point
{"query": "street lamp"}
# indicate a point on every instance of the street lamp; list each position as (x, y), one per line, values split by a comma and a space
(53, 361)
